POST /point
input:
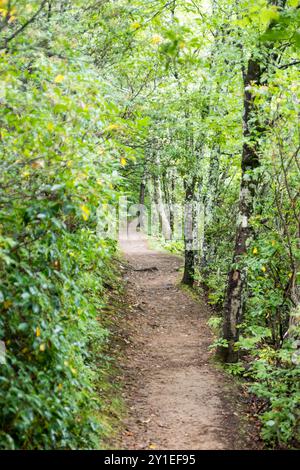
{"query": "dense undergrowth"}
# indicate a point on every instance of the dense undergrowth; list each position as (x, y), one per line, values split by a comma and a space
(55, 171)
(166, 103)
(269, 373)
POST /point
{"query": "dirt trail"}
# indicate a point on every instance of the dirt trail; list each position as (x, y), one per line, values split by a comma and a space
(177, 398)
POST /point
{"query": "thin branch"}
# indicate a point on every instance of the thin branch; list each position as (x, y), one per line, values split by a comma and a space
(157, 13)
(27, 23)
(285, 66)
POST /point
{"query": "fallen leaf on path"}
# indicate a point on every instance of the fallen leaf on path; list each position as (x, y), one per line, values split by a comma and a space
(145, 421)
(152, 446)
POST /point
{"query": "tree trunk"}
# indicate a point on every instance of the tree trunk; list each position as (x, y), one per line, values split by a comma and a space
(233, 307)
(141, 222)
(189, 227)
(208, 203)
(164, 225)
(172, 203)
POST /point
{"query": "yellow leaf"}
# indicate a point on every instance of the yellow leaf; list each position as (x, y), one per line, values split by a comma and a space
(85, 212)
(135, 25)
(152, 446)
(38, 164)
(50, 126)
(59, 79)
(42, 347)
(156, 39)
(7, 304)
(273, 242)
(113, 127)
(38, 332)
(255, 251)
(123, 161)
(263, 268)
(101, 150)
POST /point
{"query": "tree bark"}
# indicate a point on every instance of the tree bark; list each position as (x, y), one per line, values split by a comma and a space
(233, 307)
(164, 224)
(172, 203)
(189, 218)
(141, 222)
(208, 204)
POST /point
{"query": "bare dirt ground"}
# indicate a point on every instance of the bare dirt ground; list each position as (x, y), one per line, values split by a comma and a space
(177, 398)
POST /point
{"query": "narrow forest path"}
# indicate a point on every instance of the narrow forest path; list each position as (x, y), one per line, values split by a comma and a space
(176, 397)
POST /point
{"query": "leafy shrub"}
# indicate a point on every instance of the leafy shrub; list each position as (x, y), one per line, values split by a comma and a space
(55, 170)
(274, 378)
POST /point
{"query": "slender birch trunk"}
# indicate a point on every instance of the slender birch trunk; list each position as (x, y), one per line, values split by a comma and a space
(143, 183)
(189, 227)
(234, 300)
(159, 203)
